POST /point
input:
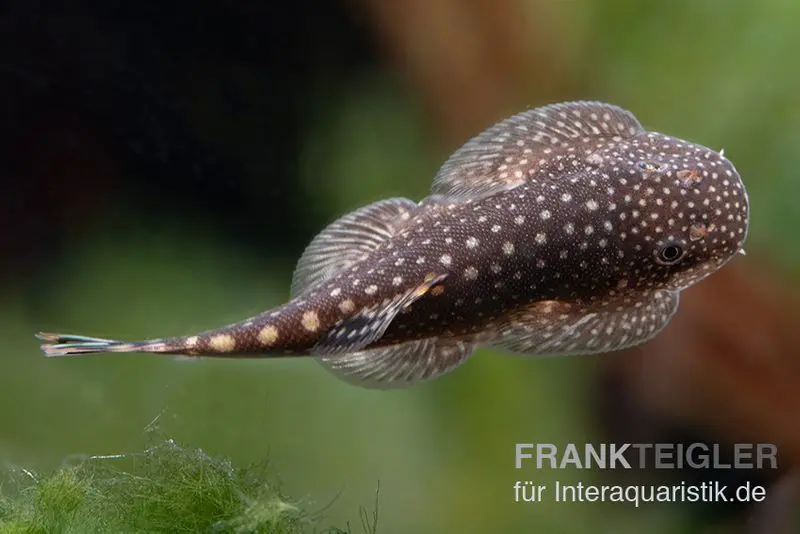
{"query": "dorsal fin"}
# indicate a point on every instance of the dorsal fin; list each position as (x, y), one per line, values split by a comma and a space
(349, 240)
(400, 365)
(561, 328)
(505, 155)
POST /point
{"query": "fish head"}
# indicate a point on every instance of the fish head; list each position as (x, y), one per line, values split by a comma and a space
(684, 211)
(658, 212)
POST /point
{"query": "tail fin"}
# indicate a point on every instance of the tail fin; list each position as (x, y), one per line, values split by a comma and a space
(69, 345)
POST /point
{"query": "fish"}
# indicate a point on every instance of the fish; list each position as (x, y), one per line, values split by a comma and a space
(565, 229)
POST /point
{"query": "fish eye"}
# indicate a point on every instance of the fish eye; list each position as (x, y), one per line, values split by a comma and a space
(669, 253)
(649, 166)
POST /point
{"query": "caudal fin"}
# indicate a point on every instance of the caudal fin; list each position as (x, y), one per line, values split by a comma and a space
(69, 345)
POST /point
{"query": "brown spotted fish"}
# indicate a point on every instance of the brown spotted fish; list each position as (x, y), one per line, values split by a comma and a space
(565, 229)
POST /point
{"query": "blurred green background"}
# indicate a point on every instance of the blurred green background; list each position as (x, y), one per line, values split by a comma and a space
(166, 165)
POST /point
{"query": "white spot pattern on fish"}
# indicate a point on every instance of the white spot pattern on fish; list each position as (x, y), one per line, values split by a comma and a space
(565, 229)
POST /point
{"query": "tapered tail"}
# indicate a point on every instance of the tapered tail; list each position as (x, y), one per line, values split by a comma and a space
(69, 345)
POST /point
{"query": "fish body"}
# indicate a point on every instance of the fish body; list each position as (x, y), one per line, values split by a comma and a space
(566, 229)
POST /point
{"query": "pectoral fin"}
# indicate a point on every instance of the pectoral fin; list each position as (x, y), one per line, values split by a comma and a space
(559, 328)
(368, 326)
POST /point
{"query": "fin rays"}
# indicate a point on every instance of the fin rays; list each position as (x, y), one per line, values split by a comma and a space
(505, 155)
(72, 345)
(400, 365)
(558, 329)
(348, 240)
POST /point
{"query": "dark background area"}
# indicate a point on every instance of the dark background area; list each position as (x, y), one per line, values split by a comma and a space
(175, 111)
